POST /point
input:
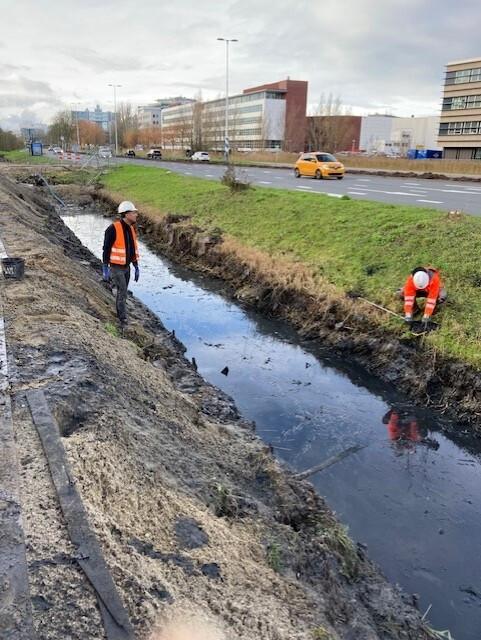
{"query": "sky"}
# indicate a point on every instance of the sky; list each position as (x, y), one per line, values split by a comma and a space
(385, 56)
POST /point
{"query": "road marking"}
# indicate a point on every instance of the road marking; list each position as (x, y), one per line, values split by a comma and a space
(264, 182)
(411, 184)
(335, 195)
(364, 179)
(431, 201)
(357, 193)
(267, 172)
(278, 177)
(393, 193)
(188, 173)
(302, 187)
(471, 193)
(209, 175)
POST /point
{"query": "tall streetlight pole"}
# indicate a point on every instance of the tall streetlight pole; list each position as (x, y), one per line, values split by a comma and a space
(115, 117)
(226, 138)
(76, 105)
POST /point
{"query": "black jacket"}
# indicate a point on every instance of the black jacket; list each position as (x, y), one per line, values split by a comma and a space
(109, 240)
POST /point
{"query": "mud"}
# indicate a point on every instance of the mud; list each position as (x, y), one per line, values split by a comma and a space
(195, 517)
(451, 387)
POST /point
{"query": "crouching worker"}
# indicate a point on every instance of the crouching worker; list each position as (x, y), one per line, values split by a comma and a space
(423, 282)
(119, 252)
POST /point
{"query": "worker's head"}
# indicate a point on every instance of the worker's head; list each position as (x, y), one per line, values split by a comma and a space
(420, 278)
(128, 211)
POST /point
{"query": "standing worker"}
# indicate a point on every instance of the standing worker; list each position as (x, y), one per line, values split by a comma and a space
(120, 250)
(423, 282)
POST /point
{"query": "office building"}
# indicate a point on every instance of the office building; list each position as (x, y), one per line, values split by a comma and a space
(460, 124)
(270, 116)
(102, 118)
(150, 115)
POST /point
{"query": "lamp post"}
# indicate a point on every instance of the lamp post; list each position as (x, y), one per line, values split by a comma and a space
(76, 105)
(115, 116)
(226, 138)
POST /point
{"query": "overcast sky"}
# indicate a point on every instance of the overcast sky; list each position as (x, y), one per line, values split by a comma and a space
(376, 55)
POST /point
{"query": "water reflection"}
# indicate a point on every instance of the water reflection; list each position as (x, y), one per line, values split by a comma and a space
(405, 432)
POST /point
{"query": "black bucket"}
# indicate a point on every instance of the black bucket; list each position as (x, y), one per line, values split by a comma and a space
(13, 268)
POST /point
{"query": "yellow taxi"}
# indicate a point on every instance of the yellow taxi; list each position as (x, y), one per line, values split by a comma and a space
(318, 164)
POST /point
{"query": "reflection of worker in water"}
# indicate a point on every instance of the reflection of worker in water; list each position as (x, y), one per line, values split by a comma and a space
(404, 430)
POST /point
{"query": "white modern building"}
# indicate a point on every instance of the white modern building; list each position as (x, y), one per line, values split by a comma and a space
(148, 116)
(414, 133)
(258, 118)
(375, 132)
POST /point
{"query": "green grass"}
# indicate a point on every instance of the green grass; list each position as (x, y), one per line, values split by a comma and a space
(24, 157)
(354, 244)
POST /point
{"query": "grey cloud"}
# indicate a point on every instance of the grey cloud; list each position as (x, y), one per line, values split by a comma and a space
(13, 68)
(101, 63)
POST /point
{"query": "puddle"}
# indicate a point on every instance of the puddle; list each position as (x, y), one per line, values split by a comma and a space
(411, 494)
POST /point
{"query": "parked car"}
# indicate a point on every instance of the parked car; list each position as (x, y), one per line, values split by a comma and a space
(130, 153)
(139, 147)
(105, 152)
(318, 165)
(57, 149)
(200, 156)
(154, 154)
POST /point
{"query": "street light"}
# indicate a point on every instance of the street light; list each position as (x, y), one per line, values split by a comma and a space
(115, 116)
(226, 139)
(76, 105)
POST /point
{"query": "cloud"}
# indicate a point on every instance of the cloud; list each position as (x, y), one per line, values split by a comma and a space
(101, 62)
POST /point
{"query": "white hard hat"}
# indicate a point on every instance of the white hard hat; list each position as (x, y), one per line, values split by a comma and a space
(126, 206)
(421, 279)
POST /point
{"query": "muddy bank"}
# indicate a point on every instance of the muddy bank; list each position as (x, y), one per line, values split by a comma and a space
(350, 327)
(193, 514)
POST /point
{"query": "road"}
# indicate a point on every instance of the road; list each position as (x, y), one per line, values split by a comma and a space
(436, 194)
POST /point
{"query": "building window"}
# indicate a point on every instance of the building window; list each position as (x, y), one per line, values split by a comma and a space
(470, 127)
(476, 154)
(463, 76)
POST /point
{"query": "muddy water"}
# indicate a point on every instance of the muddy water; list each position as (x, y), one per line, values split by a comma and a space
(412, 495)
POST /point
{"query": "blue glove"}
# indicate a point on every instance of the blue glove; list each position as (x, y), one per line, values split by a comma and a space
(137, 273)
(105, 272)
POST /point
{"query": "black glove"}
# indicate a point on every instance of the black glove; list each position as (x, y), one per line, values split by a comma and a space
(137, 273)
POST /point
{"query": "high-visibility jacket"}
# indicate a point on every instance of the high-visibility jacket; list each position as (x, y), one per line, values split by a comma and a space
(118, 253)
(431, 292)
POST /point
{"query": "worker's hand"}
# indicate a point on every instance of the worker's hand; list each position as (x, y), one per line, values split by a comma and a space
(408, 318)
(137, 273)
(105, 272)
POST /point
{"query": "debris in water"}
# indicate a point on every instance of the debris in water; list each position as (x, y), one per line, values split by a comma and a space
(225, 371)
(194, 363)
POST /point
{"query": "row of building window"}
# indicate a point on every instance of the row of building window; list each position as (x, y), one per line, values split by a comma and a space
(460, 128)
(465, 75)
(186, 117)
(461, 102)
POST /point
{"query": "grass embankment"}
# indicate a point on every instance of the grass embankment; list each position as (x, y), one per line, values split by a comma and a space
(368, 246)
(24, 157)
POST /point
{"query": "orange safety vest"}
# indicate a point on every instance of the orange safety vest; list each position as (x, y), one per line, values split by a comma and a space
(118, 253)
(432, 292)
(399, 430)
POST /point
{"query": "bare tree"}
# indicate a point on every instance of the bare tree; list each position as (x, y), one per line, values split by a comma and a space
(90, 133)
(9, 141)
(197, 137)
(61, 131)
(126, 120)
(330, 127)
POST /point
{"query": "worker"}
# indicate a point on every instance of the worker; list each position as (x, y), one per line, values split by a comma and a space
(423, 282)
(119, 252)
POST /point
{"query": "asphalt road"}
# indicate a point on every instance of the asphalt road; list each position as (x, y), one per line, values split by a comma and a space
(435, 194)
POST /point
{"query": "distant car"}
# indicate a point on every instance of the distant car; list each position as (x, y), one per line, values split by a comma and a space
(57, 149)
(318, 165)
(105, 152)
(130, 153)
(200, 156)
(154, 154)
(139, 147)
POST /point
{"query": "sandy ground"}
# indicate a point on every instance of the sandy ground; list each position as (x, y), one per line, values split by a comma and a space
(205, 534)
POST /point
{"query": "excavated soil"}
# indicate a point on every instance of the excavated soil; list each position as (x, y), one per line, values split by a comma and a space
(352, 328)
(199, 524)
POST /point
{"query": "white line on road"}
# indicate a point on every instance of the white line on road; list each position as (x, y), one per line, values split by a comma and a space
(364, 179)
(431, 201)
(302, 187)
(267, 172)
(264, 182)
(278, 177)
(209, 175)
(357, 193)
(335, 195)
(411, 184)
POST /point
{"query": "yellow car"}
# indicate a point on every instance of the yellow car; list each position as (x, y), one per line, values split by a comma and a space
(318, 165)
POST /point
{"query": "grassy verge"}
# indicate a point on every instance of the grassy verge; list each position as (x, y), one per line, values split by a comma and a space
(368, 246)
(24, 157)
